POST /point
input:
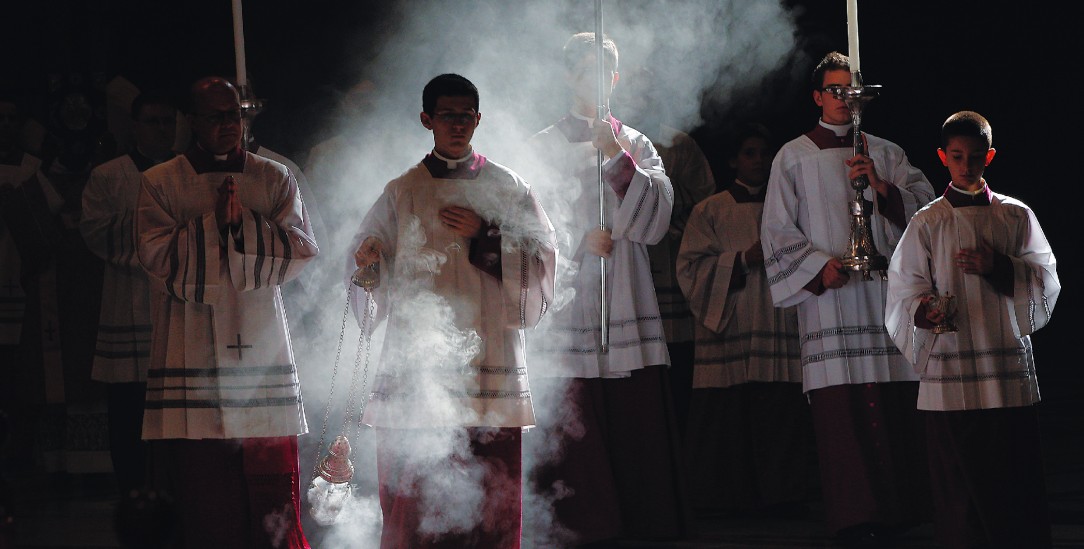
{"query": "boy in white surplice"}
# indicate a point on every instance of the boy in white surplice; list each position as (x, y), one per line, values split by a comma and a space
(467, 259)
(977, 384)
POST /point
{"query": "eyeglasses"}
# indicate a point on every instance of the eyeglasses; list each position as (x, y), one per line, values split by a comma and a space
(456, 118)
(834, 89)
(221, 117)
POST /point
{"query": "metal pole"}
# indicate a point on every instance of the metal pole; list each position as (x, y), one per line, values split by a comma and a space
(600, 60)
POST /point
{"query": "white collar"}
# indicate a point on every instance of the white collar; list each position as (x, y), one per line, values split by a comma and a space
(589, 119)
(838, 129)
(453, 162)
(977, 192)
(751, 189)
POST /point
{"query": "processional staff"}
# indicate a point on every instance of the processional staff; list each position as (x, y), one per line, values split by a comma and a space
(603, 110)
(862, 254)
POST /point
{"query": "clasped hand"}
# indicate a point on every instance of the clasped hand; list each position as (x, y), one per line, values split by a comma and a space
(228, 205)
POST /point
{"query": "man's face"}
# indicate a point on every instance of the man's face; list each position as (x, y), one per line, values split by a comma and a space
(216, 120)
(966, 159)
(453, 123)
(155, 130)
(833, 111)
(583, 81)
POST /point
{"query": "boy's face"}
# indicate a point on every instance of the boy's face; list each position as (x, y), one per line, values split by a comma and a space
(966, 159)
(752, 162)
(833, 111)
(155, 129)
(453, 122)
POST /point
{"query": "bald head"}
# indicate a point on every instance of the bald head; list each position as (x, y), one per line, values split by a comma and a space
(216, 115)
(210, 86)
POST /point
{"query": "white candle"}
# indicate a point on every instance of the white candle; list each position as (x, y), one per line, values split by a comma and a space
(852, 34)
(239, 44)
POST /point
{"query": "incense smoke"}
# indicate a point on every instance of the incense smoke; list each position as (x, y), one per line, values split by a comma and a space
(700, 53)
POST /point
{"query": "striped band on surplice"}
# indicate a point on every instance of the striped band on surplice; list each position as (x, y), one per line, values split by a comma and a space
(247, 387)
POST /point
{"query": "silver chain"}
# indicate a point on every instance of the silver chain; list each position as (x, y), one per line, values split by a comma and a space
(366, 337)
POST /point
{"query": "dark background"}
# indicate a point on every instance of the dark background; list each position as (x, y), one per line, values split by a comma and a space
(1013, 62)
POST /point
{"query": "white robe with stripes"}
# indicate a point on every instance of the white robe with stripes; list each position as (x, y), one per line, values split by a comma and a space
(107, 224)
(692, 179)
(571, 338)
(453, 352)
(989, 362)
(222, 365)
(741, 337)
(806, 222)
(16, 178)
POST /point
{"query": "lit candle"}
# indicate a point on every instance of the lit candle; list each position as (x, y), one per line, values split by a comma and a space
(852, 35)
(239, 44)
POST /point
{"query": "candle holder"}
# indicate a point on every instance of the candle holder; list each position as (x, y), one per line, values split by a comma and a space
(944, 303)
(250, 107)
(862, 253)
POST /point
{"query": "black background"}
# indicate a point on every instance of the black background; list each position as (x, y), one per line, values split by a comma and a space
(1014, 62)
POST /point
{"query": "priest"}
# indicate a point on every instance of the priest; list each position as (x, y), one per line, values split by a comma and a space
(219, 231)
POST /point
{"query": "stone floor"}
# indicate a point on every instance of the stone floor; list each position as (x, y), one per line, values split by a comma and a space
(76, 511)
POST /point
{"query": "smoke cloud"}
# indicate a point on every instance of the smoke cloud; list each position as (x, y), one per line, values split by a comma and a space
(700, 54)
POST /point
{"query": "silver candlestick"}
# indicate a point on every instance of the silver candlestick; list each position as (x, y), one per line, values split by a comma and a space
(250, 107)
(862, 254)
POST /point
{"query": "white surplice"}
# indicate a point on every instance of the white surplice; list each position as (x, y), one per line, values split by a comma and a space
(806, 222)
(453, 350)
(25, 178)
(222, 365)
(691, 177)
(741, 336)
(107, 224)
(989, 362)
(571, 343)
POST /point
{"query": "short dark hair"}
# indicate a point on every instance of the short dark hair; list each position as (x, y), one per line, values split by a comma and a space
(583, 43)
(831, 62)
(447, 85)
(967, 124)
(151, 98)
(746, 131)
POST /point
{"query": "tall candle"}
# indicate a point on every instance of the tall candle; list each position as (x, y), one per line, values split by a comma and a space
(852, 34)
(239, 44)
